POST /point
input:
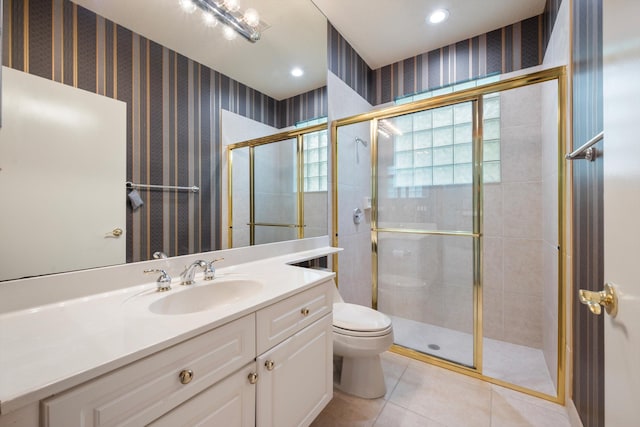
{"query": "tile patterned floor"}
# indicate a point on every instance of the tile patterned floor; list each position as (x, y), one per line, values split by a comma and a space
(422, 395)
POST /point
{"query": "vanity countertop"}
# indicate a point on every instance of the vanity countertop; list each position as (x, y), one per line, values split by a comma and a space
(47, 349)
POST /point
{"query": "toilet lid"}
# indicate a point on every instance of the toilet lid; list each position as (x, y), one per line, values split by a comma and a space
(359, 318)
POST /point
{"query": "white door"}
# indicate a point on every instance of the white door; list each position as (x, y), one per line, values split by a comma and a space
(62, 178)
(621, 66)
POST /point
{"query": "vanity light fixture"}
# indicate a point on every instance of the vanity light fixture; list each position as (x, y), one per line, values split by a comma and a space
(438, 16)
(228, 12)
(297, 72)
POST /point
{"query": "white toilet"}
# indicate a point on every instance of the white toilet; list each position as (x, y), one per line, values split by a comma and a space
(360, 334)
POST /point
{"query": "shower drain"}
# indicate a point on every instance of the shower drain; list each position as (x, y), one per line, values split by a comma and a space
(434, 347)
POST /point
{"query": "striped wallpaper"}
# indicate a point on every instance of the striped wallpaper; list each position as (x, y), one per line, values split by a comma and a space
(511, 48)
(173, 113)
(550, 14)
(588, 217)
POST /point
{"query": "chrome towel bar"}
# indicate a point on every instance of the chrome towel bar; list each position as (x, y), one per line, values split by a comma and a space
(586, 151)
(193, 189)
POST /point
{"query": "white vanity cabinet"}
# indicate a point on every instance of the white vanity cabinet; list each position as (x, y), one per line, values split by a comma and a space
(142, 391)
(270, 368)
(295, 377)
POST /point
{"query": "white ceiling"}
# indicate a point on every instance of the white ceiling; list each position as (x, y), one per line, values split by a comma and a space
(384, 32)
(297, 36)
(297, 33)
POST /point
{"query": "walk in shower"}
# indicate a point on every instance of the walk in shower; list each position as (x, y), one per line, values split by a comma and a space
(464, 227)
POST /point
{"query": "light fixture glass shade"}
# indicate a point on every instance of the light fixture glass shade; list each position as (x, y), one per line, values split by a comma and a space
(232, 5)
(251, 17)
(229, 33)
(226, 12)
(187, 5)
(209, 20)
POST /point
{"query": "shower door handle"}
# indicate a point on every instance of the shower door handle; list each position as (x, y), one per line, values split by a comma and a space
(607, 298)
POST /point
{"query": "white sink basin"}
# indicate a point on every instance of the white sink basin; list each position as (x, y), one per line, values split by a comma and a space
(200, 297)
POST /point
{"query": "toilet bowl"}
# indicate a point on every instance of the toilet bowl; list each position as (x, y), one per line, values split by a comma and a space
(360, 334)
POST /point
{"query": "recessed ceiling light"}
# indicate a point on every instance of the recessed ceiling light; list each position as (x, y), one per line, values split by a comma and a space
(297, 72)
(438, 16)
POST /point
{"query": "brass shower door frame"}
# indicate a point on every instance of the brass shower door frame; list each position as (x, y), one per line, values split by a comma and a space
(251, 144)
(474, 95)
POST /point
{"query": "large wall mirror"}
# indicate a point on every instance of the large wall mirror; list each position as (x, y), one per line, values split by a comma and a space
(178, 78)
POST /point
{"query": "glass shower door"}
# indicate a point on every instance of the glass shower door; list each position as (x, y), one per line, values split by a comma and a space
(275, 180)
(426, 230)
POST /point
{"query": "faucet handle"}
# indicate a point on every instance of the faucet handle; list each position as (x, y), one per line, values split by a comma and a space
(210, 270)
(163, 282)
(159, 255)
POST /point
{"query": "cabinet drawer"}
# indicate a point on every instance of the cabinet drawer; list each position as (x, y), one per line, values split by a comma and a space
(229, 403)
(142, 391)
(283, 319)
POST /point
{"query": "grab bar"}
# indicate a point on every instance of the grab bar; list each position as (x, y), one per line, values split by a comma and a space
(586, 151)
(193, 189)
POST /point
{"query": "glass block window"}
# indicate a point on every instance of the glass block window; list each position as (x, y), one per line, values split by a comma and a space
(315, 157)
(315, 161)
(435, 147)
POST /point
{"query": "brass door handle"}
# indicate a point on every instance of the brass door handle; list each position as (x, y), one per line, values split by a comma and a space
(606, 298)
(116, 232)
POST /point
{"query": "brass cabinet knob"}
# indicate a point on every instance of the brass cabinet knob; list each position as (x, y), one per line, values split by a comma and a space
(253, 378)
(269, 364)
(186, 376)
(305, 311)
(606, 298)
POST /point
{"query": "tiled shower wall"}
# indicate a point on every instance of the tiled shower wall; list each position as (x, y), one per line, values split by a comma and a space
(173, 113)
(513, 285)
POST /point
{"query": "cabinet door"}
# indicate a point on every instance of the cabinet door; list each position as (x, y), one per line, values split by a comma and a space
(229, 403)
(295, 379)
(142, 391)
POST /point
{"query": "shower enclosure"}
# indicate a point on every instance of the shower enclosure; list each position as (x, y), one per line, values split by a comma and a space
(464, 229)
(277, 187)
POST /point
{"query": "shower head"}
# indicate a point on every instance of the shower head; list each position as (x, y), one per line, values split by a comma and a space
(364, 144)
(361, 141)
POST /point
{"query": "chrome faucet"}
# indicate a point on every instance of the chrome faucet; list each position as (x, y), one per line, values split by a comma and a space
(163, 282)
(186, 277)
(210, 270)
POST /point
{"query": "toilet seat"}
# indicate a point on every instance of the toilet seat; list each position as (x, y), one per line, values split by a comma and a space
(361, 334)
(359, 321)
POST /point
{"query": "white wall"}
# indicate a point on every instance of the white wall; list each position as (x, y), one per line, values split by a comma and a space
(354, 183)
